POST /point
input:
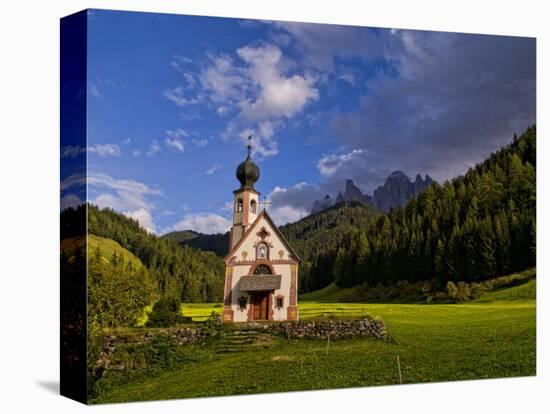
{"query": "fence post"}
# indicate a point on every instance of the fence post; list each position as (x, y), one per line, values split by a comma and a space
(399, 370)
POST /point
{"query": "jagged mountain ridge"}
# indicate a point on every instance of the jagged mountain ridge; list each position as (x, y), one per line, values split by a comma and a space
(395, 192)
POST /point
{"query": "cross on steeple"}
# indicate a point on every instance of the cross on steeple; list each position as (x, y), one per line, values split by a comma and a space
(264, 203)
(249, 146)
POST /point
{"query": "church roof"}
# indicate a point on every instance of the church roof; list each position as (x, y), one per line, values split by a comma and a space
(259, 283)
(251, 229)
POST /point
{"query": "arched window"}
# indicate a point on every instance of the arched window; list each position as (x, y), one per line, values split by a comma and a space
(262, 270)
(239, 206)
(253, 206)
(262, 251)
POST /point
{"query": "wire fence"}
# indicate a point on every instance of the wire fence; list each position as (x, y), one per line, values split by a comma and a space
(324, 312)
(307, 313)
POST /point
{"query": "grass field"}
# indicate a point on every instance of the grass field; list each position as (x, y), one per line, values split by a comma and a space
(492, 337)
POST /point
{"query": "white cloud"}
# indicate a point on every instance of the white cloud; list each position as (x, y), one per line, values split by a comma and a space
(143, 217)
(180, 63)
(287, 214)
(136, 153)
(199, 142)
(227, 207)
(121, 194)
(208, 223)
(131, 197)
(213, 169)
(175, 143)
(255, 87)
(177, 95)
(105, 150)
(154, 148)
(223, 80)
(328, 165)
(290, 204)
(73, 181)
(176, 133)
(279, 96)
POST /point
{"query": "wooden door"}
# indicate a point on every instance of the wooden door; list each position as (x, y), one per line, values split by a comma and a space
(261, 303)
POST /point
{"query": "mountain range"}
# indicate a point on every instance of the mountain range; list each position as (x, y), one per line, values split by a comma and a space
(395, 192)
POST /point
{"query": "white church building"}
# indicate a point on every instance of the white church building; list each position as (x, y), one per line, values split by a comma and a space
(261, 269)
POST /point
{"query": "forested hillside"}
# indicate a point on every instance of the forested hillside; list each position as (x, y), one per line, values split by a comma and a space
(316, 239)
(475, 227)
(217, 243)
(181, 272)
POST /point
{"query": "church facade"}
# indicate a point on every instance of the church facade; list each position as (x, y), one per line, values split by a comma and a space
(261, 268)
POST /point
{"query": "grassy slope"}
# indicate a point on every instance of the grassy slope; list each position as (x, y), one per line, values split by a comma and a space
(525, 291)
(494, 337)
(331, 293)
(106, 247)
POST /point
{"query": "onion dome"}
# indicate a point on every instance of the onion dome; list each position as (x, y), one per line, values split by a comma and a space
(247, 171)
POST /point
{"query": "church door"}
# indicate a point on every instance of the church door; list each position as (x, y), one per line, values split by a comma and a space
(261, 306)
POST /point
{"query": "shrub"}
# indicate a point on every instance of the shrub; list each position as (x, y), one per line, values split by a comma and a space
(451, 290)
(463, 291)
(166, 312)
(212, 324)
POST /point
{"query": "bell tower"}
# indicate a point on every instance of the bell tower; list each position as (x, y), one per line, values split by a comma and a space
(245, 204)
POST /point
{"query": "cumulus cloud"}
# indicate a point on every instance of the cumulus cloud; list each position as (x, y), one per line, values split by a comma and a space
(131, 197)
(208, 223)
(289, 204)
(328, 165)
(143, 217)
(255, 87)
(287, 214)
(279, 95)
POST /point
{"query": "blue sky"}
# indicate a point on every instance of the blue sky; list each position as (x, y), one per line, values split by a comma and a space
(171, 100)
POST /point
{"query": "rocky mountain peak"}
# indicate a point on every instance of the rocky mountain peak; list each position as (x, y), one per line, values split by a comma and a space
(396, 191)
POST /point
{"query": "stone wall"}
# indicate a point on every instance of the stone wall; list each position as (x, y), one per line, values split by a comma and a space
(333, 328)
(182, 335)
(289, 329)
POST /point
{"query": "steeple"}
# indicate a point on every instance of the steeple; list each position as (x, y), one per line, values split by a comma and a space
(247, 171)
(245, 209)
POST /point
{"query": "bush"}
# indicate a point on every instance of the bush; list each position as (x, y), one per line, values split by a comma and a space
(166, 312)
(212, 324)
(451, 290)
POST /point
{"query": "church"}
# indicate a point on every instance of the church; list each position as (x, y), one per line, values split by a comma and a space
(261, 268)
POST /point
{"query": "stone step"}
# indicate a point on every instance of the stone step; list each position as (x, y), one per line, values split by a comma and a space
(240, 341)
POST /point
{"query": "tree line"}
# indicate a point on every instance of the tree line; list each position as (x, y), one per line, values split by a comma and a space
(180, 272)
(475, 227)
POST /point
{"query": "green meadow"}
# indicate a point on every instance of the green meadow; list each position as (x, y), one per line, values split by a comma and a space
(494, 336)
